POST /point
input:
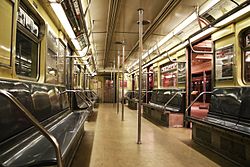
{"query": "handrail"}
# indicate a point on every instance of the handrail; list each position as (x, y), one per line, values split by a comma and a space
(165, 105)
(202, 93)
(36, 123)
(76, 91)
(83, 98)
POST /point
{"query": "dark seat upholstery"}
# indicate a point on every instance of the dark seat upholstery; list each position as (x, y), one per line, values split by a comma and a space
(157, 109)
(160, 97)
(21, 144)
(92, 96)
(229, 108)
(226, 129)
(132, 102)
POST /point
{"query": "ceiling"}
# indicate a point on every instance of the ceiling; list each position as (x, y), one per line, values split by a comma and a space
(112, 21)
(116, 21)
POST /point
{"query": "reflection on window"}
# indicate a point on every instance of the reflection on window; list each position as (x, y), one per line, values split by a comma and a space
(55, 60)
(169, 80)
(60, 62)
(26, 56)
(181, 72)
(246, 54)
(169, 75)
(155, 78)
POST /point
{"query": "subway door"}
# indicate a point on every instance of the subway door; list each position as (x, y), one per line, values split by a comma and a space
(199, 77)
(109, 89)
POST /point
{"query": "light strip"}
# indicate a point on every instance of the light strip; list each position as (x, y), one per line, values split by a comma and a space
(205, 7)
(65, 23)
(203, 33)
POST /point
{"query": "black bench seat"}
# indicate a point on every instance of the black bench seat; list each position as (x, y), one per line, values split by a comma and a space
(171, 114)
(21, 144)
(226, 129)
(134, 99)
(40, 152)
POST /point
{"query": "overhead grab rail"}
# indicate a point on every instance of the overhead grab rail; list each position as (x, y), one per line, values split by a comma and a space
(166, 104)
(171, 60)
(196, 51)
(34, 121)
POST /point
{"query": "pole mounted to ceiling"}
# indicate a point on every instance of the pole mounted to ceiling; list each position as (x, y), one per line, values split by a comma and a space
(140, 75)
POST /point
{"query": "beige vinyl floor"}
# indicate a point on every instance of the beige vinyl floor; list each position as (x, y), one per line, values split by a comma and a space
(110, 142)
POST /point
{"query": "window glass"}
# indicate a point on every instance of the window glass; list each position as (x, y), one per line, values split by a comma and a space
(168, 79)
(51, 62)
(156, 77)
(181, 72)
(26, 56)
(55, 60)
(27, 43)
(169, 75)
(61, 62)
(246, 54)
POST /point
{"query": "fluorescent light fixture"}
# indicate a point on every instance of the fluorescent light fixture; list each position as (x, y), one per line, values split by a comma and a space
(204, 56)
(83, 51)
(204, 8)
(233, 16)
(185, 23)
(203, 33)
(76, 44)
(65, 23)
(178, 47)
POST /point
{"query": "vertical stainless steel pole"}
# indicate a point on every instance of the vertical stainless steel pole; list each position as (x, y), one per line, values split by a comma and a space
(118, 84)
(147, 74)
(111, 75)
(140, 74)
(123, 55)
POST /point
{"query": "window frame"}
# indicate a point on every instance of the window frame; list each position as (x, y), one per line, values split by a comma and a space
(32, 37)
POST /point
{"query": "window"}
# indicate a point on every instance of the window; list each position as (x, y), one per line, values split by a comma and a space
(181, 73)
(55, 60)
(155, 77)
(26, 56)
(27, 43)
(246, 53)
(61, 62)
(169, 75)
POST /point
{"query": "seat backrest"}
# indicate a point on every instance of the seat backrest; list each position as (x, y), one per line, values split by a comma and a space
(162, 96)
(226, 101)
(153, 98)
(12, 120)
(80, 101)
(244, 112)
(42, 101)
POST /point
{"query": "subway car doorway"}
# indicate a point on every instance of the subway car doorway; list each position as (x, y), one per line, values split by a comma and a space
(200, 60)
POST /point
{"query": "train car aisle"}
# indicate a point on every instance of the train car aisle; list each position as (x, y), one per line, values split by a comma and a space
(114, 144)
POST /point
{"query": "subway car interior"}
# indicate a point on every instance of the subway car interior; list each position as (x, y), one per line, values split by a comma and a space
(124, 83)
